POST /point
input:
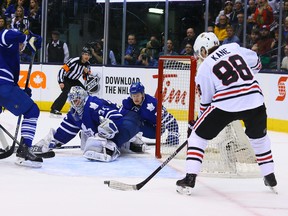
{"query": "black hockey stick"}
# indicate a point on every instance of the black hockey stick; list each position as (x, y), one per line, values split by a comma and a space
(125, 187)
(68, 147)
(10, 151)
(48, 154)
(6, 153)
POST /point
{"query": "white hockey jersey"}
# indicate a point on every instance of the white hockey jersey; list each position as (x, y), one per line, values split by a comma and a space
(226, 80)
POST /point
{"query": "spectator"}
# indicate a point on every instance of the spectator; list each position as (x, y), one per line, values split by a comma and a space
(232, 38)
(153, 47)
(265, 45)
(35, 16)
(238, 8)
(170, 49)
(11, 9)
(238, 27)
(285, 10)
(284, 63)
(210, 29)
(145, 59)
(20, 21)
(285, 30)
(97, 52)
(57, 50)
(263, 14)
(275, 5)
(250, 24)
(251, 7)
(252, 39)
(69, 75)
(132, 51)
(220, 28)
(189, 51)
(227, 11)
(190, 38)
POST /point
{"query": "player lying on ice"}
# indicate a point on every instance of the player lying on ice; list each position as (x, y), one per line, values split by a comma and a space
(145, 106)
(104, 130)
(228, 91)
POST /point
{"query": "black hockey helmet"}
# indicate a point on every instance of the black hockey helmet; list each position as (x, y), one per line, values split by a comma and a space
(86, 49)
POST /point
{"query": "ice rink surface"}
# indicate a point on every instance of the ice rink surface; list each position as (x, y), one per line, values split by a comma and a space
(70, 185)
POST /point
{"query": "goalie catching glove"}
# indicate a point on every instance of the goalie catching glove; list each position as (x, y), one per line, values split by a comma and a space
(107, 129)
(45, 144)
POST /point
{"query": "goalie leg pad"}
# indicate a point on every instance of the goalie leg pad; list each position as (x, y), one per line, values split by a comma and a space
(101, 149)
(83, 138)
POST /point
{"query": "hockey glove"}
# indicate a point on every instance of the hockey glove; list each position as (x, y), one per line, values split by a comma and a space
(34, 42)
(107, 129)
(28, 91)
(190, 127)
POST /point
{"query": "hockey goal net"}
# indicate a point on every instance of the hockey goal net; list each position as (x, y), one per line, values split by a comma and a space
(227, 155)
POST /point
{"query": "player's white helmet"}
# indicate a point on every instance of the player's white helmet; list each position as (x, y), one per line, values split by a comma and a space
(77, 96)
(204, 42)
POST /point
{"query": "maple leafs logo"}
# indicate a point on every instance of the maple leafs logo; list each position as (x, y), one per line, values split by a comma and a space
(93, 105)
(150, 107)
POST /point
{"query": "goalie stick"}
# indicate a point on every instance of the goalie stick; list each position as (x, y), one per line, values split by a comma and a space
(125, 187)
(9, 152)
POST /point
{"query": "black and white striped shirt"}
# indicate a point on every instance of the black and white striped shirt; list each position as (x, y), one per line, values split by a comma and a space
(72, 69)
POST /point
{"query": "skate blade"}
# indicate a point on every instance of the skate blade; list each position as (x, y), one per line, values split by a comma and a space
(55, 116)
(273, 189)
(184, 190)
(27, 163)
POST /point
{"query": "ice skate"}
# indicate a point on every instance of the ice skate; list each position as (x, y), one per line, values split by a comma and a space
(55, 114)
(185, 185)
(135, 144)
(25, 157)
(271, 182)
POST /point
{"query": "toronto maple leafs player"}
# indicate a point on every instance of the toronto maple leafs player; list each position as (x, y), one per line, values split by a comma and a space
(145, 106)
(228, 91)
(12, 97)
(104, 130)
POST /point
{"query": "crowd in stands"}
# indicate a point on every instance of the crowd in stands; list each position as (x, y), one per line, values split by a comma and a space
(262, 27)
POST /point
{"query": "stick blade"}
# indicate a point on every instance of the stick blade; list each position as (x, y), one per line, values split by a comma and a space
(120, 186)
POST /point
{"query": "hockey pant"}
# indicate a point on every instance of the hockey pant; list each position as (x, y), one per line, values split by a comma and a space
(18, 102)
(213, 120)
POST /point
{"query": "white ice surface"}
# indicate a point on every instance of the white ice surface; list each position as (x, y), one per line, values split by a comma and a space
(71, 185)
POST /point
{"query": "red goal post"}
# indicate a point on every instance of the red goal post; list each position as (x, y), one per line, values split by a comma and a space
(176, 92)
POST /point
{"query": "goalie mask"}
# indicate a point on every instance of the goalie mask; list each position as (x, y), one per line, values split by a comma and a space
(204, 42)
(77, 97)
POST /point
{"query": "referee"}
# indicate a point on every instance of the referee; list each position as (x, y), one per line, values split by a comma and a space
(69, 75)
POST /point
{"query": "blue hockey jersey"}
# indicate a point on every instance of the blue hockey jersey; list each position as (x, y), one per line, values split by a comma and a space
(9, 55)
(94, 108)
(147, 111)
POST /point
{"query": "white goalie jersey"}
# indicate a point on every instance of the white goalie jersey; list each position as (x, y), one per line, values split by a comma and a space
(226, 81)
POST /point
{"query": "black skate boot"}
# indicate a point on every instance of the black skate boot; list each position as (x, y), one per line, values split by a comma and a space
(138, 147)
(55, 113)
(185, 185)
(271, 182)
(26, 157)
